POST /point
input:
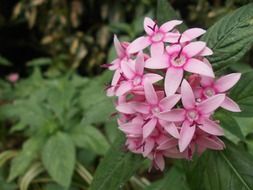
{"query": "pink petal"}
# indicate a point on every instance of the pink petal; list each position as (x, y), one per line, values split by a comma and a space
(188, 98)
(148, 22)
(173, 49)
(173, 79)
(141, 107)
(196, 66)
(168, 26)
(153, 78)
(191, 34)
(150, 93)
(211, 143)
(138, 44)
(139, 63)
(159, 161)
(119, 49)
(186, 135)
(206, 81)
(148, 147)
(211, 127)
(205, 52)
(230, 105)
(172, 130)
(124, 87)
(171, 37)
(194, 48)
(226, 82)
(160, 62)
(211, 104)
(126, 108)
(174, 115)
(131, 128)
(157, 49)
(149, 127)
(127, 70)
(169, 102)
(168, 144)
(116, 78)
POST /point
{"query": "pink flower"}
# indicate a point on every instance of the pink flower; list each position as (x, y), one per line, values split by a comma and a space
(134, 76)
(210, 87)
(13, 77)
(155, 36)
(176, 60)
(194, 115)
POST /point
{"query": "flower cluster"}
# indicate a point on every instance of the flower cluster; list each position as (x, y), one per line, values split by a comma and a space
(167, 94)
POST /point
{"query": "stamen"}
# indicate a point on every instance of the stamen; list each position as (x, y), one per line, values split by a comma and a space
(153, 28)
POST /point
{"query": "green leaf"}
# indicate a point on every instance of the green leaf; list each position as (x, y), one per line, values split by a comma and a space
(40, 62)
(231, 37)
(96, 105)
(90, 138)
(165, 12)
(3, 184)
(229, 123)
(58, 157)
(4, 61)
(116, 168)
(24, 159)
(174, 179)
(229, 169)
(242, 93)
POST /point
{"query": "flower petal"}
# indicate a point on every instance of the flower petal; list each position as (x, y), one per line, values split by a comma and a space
(194, 48)
(159, 161)
(141, 107)
(139, 63)
(168, 144)
(212, 143)
(230, 105)
(149, 127)
(168, 26)
(173, 79)
(211, 104)
(174, 115)
(160, 62)
(127, 70)
(148, 147)
(186, 135)
(226, 82)
(191, 34)
(173, 49)
(172, 37)
(119, 49)
(206, 81)
(169, 102)
(150, 93)
(126, 108)
(131, 128)
(123, 88)
(196, 66)
(116, 77)
(205, 52)
(211, 127)
(151, 77)
(138, 44)
(148, 24)
(172, 130)
(157, 49)
(188, 98)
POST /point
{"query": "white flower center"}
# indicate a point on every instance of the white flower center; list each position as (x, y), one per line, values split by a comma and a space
(192, 115)
(156, 110)
(208, 92)
(137, 80)
(178, 61)
(157, 37)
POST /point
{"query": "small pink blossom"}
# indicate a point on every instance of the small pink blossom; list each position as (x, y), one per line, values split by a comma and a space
(13, 77)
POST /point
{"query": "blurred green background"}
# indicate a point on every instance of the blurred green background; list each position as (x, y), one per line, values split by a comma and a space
(52, 98)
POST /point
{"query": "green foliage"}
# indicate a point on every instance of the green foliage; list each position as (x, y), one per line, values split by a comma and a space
(116, 168)
(174, 179)
(231, 37)
(90, 138)
(242, 93)
(58, 157)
